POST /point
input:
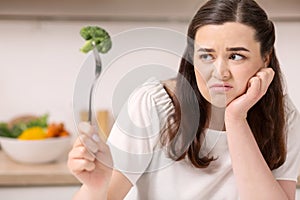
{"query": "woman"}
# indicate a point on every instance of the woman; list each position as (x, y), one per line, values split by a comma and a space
(228, 127)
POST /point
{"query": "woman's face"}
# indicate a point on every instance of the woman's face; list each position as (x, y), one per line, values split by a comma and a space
(225, 58)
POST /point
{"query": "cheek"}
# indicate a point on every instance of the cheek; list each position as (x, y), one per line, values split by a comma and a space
(242, 77)
(203, 72)
(202, 79)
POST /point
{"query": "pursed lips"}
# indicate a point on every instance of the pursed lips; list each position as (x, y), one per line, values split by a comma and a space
(220, 87)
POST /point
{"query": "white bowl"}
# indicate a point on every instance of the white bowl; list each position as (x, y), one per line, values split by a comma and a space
(35, 151)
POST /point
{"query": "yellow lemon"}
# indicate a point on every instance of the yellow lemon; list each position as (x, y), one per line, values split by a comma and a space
(34, 133)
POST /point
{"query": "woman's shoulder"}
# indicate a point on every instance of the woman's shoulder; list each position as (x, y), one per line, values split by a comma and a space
(291, 112)
(154, 86)
(154, 93)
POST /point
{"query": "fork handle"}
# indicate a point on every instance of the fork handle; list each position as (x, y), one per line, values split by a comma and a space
(90, 114)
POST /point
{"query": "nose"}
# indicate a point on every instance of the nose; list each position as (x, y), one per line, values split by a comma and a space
(221, 70)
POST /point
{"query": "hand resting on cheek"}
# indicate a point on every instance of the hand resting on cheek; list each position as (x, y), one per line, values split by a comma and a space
(257, 87)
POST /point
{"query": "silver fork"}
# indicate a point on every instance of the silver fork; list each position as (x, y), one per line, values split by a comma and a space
(97, 74)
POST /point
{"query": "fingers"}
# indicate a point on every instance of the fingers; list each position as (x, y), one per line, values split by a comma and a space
(87, 148)
(85, 128)
(80, 152)
(259, 84)
(266, 76)
(80, 159)
(257, 87)
(80, 165)
(90, 138)
(254, 87)
(89, 143)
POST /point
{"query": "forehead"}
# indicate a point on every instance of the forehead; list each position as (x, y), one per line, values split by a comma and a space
(232, 33)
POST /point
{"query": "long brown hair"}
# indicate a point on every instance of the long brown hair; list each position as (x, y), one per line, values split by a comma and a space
(266, 118)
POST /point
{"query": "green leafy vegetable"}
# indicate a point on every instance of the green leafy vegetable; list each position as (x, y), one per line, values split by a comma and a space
(4, 130)
(18, 128)
(95, 37)
(40, 122)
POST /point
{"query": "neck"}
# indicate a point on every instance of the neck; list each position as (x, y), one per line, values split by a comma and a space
(217, 117)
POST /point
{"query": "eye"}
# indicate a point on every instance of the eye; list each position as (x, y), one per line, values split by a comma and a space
(206, 57)
(236, 57)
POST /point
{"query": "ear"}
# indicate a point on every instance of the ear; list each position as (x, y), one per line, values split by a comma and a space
(267, 59)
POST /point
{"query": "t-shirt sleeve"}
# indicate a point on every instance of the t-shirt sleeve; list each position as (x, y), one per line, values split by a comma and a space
(135, 134)
(291, 167)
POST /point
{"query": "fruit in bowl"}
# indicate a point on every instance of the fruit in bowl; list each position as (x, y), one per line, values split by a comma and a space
(31, 139)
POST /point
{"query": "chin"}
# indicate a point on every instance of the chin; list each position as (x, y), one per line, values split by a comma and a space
(219, 101)
(219, 104)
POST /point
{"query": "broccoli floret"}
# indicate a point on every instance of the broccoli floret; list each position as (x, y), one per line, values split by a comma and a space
(97, 36)
(4, 130)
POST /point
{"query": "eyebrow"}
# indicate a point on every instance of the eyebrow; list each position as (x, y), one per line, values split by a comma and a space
(237, 49)
(206, 50)
(227, 49)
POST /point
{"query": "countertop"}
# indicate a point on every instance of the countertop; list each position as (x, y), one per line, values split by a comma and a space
(50, 174)
(57, 173)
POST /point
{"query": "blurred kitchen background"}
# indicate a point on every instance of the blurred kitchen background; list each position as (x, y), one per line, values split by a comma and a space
(40, 41)
(40, 58)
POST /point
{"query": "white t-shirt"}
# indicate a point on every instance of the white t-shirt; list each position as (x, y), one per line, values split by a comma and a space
(136, 153)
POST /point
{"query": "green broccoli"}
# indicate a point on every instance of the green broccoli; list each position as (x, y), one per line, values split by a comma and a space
(4, 130)
(97, 36)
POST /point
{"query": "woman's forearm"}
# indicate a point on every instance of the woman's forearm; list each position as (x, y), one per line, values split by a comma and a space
(254, 178)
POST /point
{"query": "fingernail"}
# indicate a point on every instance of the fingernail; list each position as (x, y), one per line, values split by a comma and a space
(96, 137)
(84, 127)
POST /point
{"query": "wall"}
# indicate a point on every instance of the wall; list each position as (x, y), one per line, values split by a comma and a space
(40, 62)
